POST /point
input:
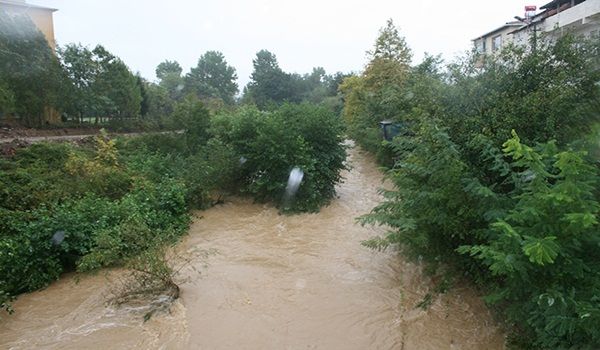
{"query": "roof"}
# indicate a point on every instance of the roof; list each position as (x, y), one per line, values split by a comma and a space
(25, 5)
(550, 9)
(554, 4)
(506, 25)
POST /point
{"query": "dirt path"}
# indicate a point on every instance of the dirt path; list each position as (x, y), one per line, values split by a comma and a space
(35, 139)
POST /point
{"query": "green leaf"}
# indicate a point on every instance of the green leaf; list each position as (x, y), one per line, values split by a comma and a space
(586, 220)
(541, 250)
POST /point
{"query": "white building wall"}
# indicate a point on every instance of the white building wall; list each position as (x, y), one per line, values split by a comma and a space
(582, 19)
(489, 47)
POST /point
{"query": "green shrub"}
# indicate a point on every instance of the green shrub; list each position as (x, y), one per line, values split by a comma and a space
(529, 237)
(193, 118)
(35, 176)
(521, 220)
(97, 232)
(64, 207)
(210, 173)
(155, 143)
(429, 208)
(544, 250)
(79, 208)
(271, 144)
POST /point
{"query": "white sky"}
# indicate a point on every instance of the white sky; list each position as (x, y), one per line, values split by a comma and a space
(302, 33)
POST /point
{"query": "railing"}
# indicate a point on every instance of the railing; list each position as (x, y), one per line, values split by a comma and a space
(576, 13)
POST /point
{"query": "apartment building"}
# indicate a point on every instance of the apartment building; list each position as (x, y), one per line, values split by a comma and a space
(492, 41)
(580, 17)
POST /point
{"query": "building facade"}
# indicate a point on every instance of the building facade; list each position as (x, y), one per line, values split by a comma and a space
(493, 41)
(558, 17)
(579, 17)
(41, 16)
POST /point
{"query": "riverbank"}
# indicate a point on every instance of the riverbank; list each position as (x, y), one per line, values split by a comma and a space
(272, 281)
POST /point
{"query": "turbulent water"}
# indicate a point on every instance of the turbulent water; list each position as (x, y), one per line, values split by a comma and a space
(269, 282)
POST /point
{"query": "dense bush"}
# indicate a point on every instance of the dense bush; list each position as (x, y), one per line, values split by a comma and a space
(519, 217)
(529, 238)
(66, 207)
(545, 247)
(547, 93)
(271, 144)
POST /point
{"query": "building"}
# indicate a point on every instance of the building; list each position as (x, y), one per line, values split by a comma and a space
(41, 16)
(43, 19)
(492, 41)
(580, 17)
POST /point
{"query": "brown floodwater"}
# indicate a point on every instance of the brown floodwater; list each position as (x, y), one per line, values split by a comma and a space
(260, 280)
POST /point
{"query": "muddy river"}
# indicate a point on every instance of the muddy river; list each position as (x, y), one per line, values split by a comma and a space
(259, 280)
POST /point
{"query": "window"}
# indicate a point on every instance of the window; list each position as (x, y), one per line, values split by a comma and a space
(496, 42)
(480, 46)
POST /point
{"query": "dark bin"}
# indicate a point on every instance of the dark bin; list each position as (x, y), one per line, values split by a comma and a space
(390, 129)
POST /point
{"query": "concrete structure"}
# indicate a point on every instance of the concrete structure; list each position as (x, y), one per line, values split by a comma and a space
(41, 16)
(580, 17)
(493, 41)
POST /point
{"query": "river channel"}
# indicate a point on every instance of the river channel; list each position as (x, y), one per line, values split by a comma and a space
(260, 280)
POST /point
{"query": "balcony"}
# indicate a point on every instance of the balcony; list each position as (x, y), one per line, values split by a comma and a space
(581, 14)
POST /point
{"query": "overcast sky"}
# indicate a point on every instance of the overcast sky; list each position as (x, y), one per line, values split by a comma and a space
(302, 33)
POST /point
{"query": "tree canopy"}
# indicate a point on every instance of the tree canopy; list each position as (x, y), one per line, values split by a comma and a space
(31, 80)
(269, 83)
(212, 78)
(169, 77)
(102, 85)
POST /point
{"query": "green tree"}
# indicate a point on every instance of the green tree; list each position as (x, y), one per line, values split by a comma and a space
(82, 70)
(273, 143)
(191, 116)
(32, 82)
(310, 87)
(522, 220)
(544, 249)
(212, 78)
(391, 46)
(104, 87)
(169, 77)
(166, 68)
(386, 74)
(334, 81)
(554, 86)
(381, 92)
(118, 84)
(7, 99)
(160, 104)
(269, 83)
(143, 86)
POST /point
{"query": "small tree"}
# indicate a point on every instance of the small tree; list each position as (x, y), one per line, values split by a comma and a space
(380, 92)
